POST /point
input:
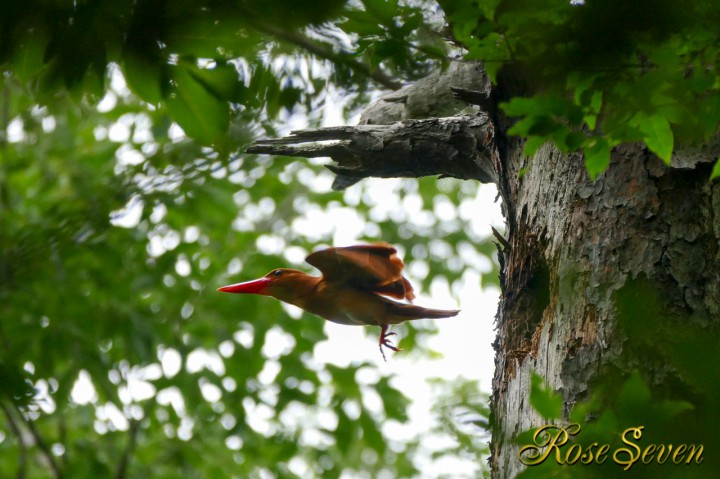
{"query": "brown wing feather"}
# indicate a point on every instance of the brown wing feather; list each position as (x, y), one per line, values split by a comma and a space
(370, 267)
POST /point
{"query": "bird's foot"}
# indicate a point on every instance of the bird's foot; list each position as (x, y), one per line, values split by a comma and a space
(384, 341)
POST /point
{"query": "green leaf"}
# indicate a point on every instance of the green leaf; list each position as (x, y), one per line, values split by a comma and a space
(395, 403)
(383, 10)
(144, 76)
(222, 80)
(199, 112)
(208, 36)
(545, 401)
(634, 392)
(29, 59)
(657, 135)
(522, 106)
(597, 156)
(716, 170)
(533, 144)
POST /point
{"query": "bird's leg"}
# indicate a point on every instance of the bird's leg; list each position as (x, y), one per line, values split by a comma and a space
(384, 341)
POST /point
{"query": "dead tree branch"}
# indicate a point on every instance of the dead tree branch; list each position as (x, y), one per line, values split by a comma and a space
(408, 133)
(458, 147)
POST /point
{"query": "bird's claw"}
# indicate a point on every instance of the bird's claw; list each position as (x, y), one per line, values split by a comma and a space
(384, 341)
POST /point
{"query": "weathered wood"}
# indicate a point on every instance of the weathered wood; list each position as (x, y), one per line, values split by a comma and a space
(387, 144)
(430, 97)
(459, 147)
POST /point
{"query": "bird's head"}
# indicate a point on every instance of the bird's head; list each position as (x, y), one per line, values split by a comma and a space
(282, 283)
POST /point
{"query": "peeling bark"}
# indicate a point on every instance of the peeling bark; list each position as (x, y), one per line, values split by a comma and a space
(458, 146)
(430, 97)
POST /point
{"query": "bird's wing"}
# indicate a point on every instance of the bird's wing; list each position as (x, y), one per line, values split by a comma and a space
(369, 267)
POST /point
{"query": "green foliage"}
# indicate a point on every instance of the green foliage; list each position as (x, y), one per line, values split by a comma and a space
(716, 171)
(544, 400)
(200, 61)
(118, 356)
(595, 74)
(464, 416)
(81, 294)
(614, 408)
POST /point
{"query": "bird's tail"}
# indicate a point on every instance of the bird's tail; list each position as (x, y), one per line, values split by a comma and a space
(405, 312)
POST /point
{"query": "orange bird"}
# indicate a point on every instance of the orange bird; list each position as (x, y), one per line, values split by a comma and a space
(353, 290)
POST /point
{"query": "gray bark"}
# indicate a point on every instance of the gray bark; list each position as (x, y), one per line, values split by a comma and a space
(407, 133)
(459, 147)
(574, 245)
(430, 97)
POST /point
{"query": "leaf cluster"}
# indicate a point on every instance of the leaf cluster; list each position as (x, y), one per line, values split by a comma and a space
(202, 62)
(617, 404)
(590, 75)
(181, 382)
(115, 233)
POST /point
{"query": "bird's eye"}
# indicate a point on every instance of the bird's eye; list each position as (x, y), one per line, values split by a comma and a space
(277, 272)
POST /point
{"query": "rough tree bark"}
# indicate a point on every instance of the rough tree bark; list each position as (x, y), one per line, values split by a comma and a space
(402, 134)
(572, 244)
(460, 147)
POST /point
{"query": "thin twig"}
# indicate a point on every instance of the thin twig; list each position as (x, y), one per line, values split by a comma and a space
(125, 458)
(62, 433)
(22, 456)
(42, 445)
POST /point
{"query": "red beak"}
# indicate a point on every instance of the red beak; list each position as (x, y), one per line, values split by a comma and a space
(251, 287)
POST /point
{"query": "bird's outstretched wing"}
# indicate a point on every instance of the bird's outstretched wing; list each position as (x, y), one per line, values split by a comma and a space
(370, 267)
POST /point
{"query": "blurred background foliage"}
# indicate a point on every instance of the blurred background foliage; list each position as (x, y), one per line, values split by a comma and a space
(124, 204)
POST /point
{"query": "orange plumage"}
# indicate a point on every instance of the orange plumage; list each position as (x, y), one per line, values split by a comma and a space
(354, 289)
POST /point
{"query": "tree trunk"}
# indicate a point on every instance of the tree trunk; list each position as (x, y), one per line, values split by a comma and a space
(575, 246)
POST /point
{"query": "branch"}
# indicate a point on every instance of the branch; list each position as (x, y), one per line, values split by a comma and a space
(125, 458)
(459, 147)
(15, 429)
(408, 133)
(430, 97)
(42, 445)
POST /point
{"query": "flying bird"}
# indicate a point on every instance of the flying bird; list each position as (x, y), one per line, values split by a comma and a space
(355, 288)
